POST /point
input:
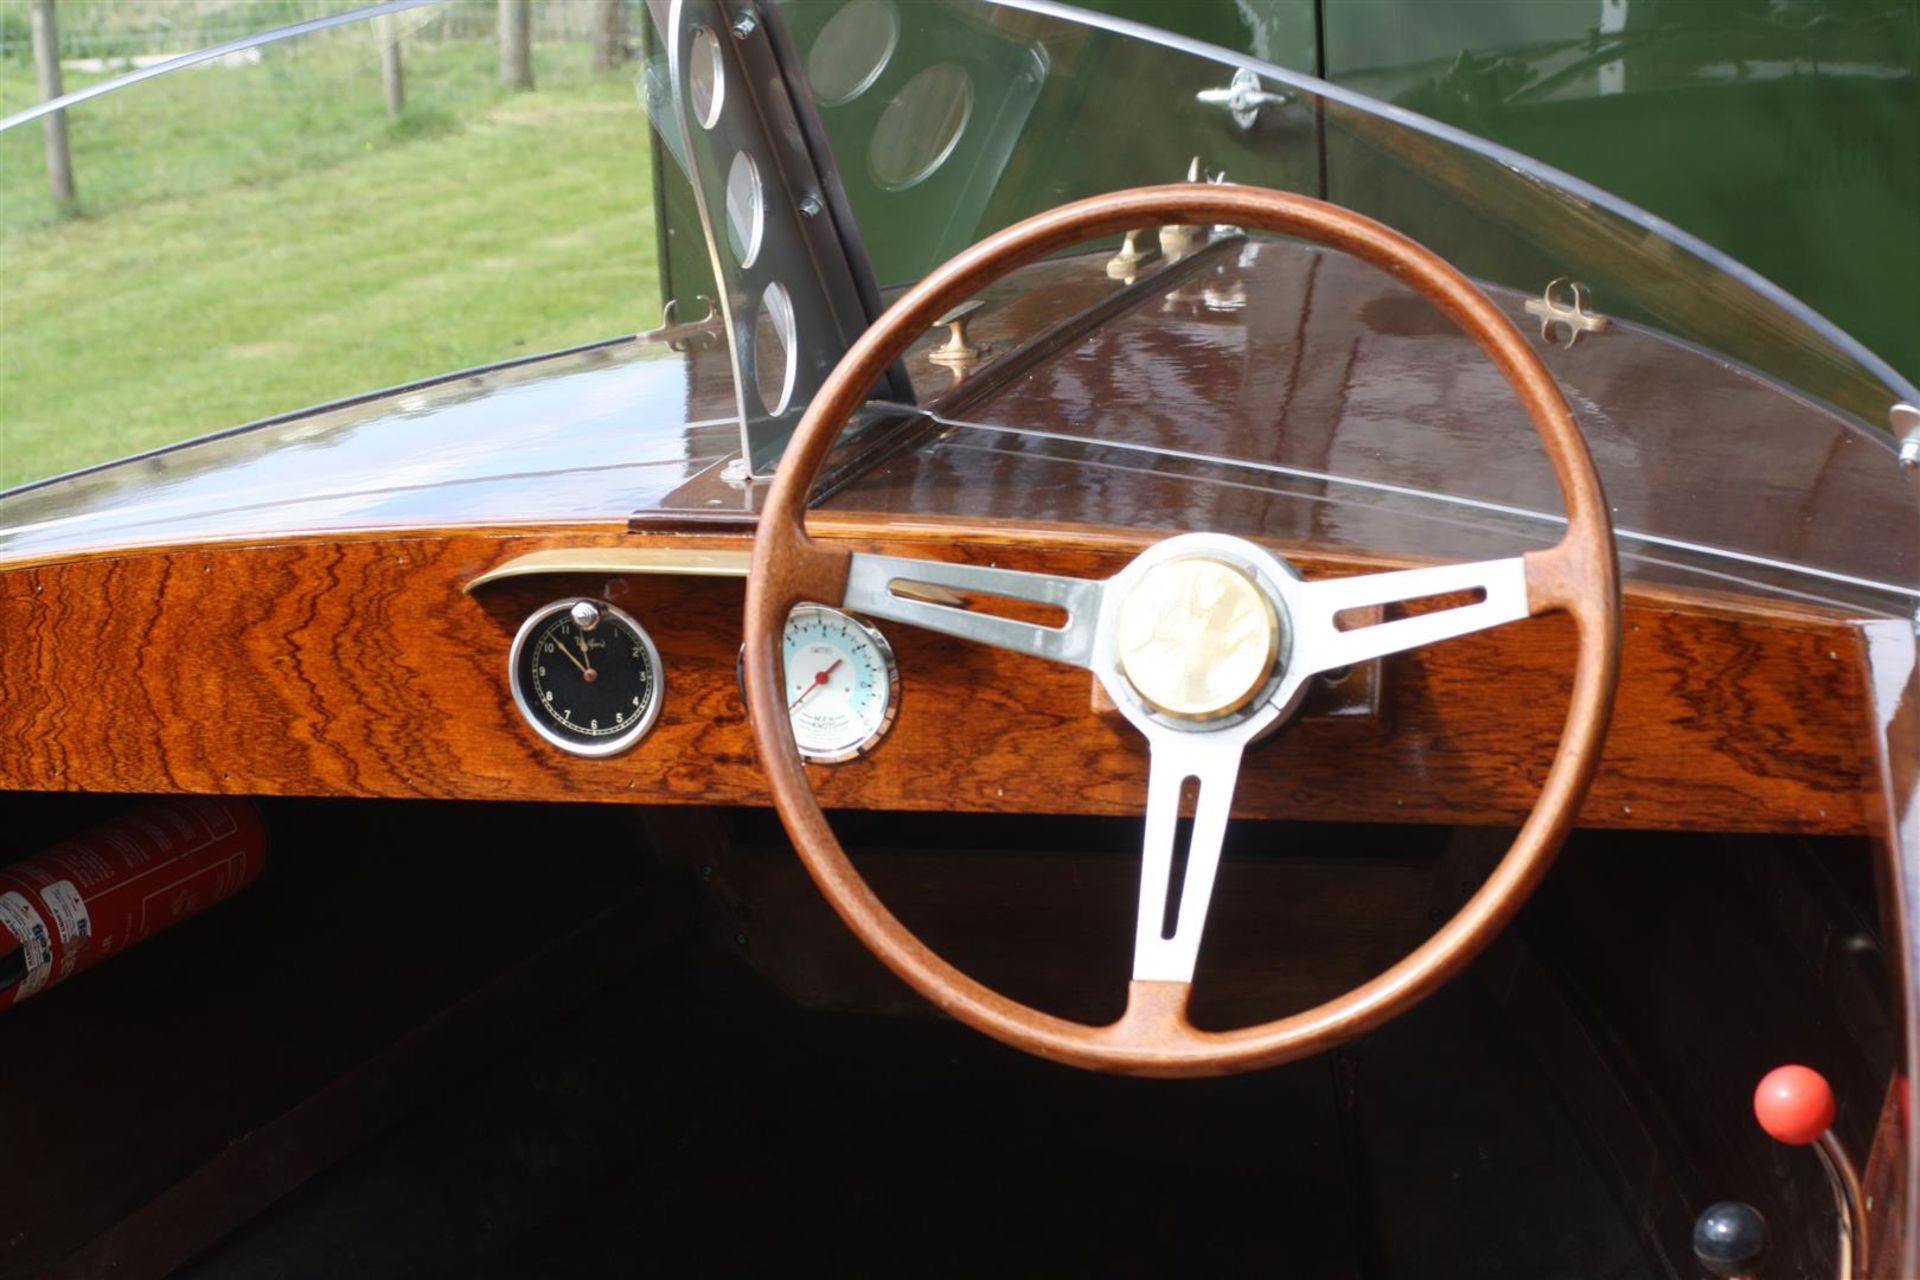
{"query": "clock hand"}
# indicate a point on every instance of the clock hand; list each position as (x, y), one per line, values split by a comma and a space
(570, 658)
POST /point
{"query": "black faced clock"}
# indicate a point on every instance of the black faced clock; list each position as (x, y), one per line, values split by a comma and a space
(586, 677)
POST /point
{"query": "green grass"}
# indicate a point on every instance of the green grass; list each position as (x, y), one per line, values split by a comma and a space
(253, 241)
(117, 28)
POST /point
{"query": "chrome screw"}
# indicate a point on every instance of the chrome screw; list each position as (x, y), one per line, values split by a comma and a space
(1904, 419)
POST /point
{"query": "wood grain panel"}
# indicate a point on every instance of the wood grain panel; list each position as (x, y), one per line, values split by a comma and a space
(1891, 672)
(360, 667)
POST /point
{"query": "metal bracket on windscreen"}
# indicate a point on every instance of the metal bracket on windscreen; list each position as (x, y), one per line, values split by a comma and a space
(795, 289)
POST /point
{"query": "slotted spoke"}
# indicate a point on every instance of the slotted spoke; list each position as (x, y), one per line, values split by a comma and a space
(924, 593)
(1323, 640)
(1159, 954)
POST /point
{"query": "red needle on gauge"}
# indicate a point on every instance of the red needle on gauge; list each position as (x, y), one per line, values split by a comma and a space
(818, 680)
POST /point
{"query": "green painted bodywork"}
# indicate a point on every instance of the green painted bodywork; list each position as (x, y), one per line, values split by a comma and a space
(1784, 132)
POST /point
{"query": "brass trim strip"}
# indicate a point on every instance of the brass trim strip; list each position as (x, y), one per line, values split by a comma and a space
(685, 562)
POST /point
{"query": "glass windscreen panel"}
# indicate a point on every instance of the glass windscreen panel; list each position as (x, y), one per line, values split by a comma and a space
(950, 120)
(307, 220)
(1743, 440)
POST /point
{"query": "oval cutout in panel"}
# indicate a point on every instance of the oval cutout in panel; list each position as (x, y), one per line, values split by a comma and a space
(920, 127)
(746, 209)
(852, 50)
(706, 78)
(774, 349)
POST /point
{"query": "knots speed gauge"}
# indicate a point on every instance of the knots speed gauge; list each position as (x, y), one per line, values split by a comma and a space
(842, 689)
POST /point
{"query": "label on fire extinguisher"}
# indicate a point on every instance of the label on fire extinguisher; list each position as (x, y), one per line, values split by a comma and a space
(70, 917)
(100, 892)
(25, 924)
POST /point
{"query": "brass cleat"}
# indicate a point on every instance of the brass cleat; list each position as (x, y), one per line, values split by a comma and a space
(1125, 265)
(1572, 315)
(1182, 240)
(959, 353)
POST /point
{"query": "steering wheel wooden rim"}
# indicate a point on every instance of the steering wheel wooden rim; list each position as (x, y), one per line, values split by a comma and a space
(1578, 576)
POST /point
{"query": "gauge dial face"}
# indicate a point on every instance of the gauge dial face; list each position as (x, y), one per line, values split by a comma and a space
(842, 689)
(586, 676)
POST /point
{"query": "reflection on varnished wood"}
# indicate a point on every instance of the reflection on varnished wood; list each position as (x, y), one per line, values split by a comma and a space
(579, 436)
(1281, 356)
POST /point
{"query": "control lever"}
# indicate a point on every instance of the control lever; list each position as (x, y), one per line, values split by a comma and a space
(1730, 1240)
(1795, 1105)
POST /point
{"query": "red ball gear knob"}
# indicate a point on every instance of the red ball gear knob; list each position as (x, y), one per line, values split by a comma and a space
(1794, 1104)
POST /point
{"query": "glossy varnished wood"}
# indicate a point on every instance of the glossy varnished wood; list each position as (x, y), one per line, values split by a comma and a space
(1890, 666)
(361, 667)
(1275, 389)
(552, 441)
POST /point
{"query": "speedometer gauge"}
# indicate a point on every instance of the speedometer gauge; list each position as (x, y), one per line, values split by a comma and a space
(586, 676)
(842, 688)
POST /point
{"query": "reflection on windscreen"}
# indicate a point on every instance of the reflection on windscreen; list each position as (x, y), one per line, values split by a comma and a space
(968, 117)
(261, 234)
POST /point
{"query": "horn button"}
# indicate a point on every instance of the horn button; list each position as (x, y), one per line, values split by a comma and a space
(1197, 638)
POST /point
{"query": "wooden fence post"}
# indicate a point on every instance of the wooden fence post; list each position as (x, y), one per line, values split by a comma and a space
(516, 44)
(392, 73)
(46, 69)
(609, 34)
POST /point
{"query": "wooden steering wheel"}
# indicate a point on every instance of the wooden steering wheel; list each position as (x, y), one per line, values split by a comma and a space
(1204, 641)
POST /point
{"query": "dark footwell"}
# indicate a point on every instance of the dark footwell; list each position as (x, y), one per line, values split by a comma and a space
(690, 1122)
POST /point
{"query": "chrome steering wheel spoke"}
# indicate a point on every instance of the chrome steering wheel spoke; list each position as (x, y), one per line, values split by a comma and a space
(1205, 641)
(1166, 937)
(923, 593)
(1322, 643)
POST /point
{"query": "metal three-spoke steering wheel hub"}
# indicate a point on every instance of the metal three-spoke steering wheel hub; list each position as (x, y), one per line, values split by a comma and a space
(1194, 637)
(1205, 642)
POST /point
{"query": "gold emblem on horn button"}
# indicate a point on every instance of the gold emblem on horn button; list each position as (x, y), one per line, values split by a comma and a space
(1197, 638)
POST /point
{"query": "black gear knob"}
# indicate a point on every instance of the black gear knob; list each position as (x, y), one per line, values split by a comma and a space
(1730, 1239)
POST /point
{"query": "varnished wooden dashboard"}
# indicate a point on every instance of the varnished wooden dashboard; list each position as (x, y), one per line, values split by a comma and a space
(360, 665)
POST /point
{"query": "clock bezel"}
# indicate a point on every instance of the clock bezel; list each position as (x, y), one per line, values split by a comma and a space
(615, 744)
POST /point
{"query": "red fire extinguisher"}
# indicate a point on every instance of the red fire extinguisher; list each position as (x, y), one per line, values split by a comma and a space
(86, 898)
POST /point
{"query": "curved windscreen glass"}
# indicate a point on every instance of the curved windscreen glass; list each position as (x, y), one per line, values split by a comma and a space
(1743, 439)
(1021, 105)
(260, 220)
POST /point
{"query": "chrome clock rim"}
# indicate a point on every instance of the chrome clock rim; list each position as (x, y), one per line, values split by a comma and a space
(615, 744)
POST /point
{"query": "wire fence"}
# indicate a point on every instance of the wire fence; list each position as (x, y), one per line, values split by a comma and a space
(120, 30)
